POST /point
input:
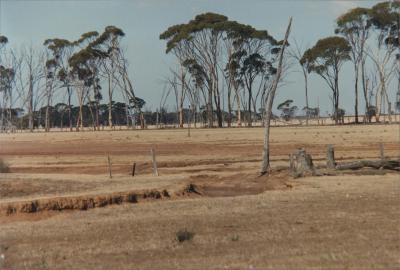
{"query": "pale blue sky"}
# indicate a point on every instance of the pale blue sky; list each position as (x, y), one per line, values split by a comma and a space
(142, 21)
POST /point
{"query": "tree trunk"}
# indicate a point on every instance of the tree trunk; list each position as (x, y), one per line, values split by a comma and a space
(239, 112)
(180, 114)
(69, 108)
(229, 107)
(181, 98)
(379, 95)
(47, 117)
(30, 103)
(365, 89)
(356, 93)
(265, 164)
(110, 121)
(219, 112)
(249, 120)
(306, 93)
(210, 117)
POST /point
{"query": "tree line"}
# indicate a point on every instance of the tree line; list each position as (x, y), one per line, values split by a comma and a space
(217, 60)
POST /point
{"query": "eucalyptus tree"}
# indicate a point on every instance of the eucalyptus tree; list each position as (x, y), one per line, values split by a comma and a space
(181, 51)
(297, 53)
(124, 81)
(287, 110)
(55, 58)
(29, 69)
(138, 104)
(202, 36)
(7, 76)
(86, 61)
(252, 48)
(109, 42)
(84, 71)
(326, 59)
(385, 17)
(354, 26)
(232, 81)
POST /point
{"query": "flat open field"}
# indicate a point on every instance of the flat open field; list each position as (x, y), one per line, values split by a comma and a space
(208, 185)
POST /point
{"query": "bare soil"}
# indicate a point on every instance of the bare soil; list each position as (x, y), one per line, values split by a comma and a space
(208, 185)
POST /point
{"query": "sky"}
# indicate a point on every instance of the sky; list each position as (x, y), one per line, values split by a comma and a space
(32, 21)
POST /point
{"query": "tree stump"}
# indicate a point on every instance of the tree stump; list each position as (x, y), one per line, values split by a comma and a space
(301, 164)
(330, 157)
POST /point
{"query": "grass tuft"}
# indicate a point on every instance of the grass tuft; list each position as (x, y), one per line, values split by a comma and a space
(184, 235)
(3, 167)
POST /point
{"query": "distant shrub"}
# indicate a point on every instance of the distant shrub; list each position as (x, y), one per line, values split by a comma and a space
(235, 238)
(184, 235)
(3, 167)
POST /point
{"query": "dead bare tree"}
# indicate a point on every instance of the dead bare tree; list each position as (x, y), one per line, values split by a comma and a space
(297, 53)
(265, 164)
(29, 73)
(385, 66)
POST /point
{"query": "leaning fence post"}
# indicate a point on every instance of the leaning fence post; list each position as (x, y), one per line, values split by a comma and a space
(133, 168)
(153, 157)
(109, 166)
(330, 157)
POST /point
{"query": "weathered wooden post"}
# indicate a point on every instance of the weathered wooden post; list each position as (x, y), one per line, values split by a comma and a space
(153, 157)
(382, 151)
(330, 157)
(109, 166)
(133, 168)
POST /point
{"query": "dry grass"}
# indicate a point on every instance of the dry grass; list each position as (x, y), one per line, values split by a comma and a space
(4, 167)
(335, 222)
(327, 223)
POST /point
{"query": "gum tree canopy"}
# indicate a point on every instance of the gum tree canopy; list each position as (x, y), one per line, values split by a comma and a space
(354, 26)
(199, 40)
(326, 59)
(198, 45)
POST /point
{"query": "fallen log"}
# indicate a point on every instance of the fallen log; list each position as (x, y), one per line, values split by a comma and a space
(376, 164)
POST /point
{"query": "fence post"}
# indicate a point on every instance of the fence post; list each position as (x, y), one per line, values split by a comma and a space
(153, 157)
(109, 166)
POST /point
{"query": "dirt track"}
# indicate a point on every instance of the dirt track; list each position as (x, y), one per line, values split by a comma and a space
(317, 222)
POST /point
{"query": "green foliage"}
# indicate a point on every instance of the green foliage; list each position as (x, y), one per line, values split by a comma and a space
(111, 33)
(287, 111)
(216, 23)
(328, 52)
(183, 32)
(87, 36)
(286, 103)
(354, 21)
(137, 103)
(385, 17)
(196, 70)
(56, 44)
(7, 76)
(3, 39)
(241, 33)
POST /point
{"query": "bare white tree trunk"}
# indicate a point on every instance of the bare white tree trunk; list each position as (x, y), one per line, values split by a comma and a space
(265, 166)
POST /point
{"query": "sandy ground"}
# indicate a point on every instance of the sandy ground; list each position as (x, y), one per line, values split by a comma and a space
(239, 220)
